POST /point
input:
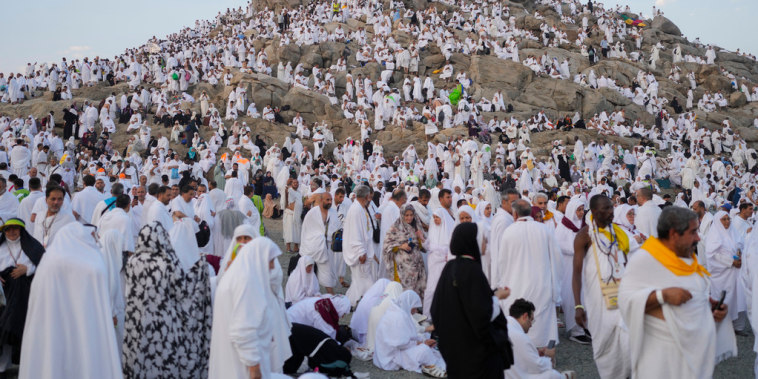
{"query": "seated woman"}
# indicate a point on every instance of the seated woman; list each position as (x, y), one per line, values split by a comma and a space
(271, 208)
(403, 343)
(321, 313)
(302, 283)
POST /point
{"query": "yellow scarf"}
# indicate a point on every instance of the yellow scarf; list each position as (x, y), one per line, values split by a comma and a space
(671, 261)
(621, 238)
(234, 255)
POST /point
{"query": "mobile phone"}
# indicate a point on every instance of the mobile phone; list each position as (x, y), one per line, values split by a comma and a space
(721, 301)
(551, 344)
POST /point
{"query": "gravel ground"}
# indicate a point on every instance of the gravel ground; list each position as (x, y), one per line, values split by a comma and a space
(569, 355)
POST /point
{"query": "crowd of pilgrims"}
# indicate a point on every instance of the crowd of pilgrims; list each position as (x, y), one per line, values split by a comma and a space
(161, 264)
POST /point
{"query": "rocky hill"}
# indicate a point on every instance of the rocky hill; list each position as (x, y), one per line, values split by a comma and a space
(526, 91)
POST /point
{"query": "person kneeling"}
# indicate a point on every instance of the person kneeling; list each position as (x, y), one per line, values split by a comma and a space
(528, 361)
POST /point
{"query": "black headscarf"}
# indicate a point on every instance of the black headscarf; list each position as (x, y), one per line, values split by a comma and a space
(463, 241)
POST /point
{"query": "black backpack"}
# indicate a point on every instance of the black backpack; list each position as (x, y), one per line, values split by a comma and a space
(204, 235)
(337, 241)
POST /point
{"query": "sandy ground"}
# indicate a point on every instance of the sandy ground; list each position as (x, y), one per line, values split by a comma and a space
(569, 355)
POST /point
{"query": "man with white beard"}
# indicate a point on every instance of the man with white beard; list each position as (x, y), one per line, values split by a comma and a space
(527, 262)
(314, 241)
(356, 245)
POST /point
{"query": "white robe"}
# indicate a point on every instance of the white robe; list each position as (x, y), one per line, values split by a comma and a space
(684, 344)
(84, 202)
(313, 244)
(438, 249)
(646, 219)
(610, 338)
(527, 363)
(47, 228)
(247, 322)
(500, 223)
(119, 220)
(69, 307)
(397, 346)
(528, 264)
(356, 242)
(158, 212)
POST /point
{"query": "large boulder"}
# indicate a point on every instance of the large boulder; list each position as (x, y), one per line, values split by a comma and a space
(665, 25)
(311, 105)
(492, 72)
(737, 99)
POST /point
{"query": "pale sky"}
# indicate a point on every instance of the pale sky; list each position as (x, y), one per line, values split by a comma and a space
(46, 30)
(724, 23)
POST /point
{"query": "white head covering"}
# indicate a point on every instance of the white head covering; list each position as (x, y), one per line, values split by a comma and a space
(241, 230)
(469, 211)
(571, 208)
(480, 212)
(71, 280)
(619, 216)
(252, 267)
(301, 284)
(718, 237)
(391, 292)
(372, 297)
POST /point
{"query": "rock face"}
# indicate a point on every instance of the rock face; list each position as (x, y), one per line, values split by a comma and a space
(665, 25)
(524, 90)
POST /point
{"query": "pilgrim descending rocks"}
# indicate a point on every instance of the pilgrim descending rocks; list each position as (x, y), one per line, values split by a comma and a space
(69, 326)
(20, 255)
(168, 310)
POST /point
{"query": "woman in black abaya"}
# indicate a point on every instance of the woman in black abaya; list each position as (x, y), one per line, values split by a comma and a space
(473, 336)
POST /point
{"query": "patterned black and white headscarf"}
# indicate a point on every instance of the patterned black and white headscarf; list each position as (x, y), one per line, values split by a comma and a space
(168, 311)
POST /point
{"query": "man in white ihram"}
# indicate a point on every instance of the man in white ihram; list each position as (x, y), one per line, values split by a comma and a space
(356, 245)
(664, 300)
(314, 240)
(527, 262)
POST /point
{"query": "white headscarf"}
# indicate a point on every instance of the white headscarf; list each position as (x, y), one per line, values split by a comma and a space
(252, 266)
(301, 284)
(719, 237)
(391, 292)
(372, 297)
(241, 230)
(468, 210)
(619, 216)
